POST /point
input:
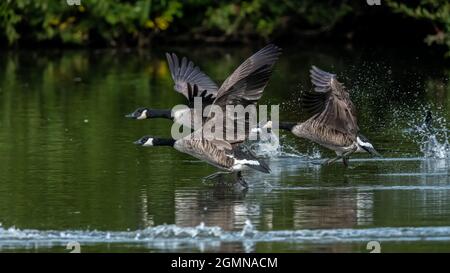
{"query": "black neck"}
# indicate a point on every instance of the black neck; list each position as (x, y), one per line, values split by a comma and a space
(286, 125)
(163, 141)
(160, 113)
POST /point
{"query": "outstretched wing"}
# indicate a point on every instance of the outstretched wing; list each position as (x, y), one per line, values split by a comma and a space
(330, 103)
(185, 72)
(248, 81)
(194, 92)
(244, 87)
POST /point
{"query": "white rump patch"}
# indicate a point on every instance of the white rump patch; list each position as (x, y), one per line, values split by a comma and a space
(246, 162)
(239, 164)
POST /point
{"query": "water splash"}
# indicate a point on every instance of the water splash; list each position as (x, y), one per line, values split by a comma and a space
(248, 229)
(270, 146)
(431, 135)
(173, 236)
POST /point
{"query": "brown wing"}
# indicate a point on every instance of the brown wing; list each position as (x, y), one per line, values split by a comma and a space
(185, 72)
(220, 153)
(214, 151)
(244, 82)
(330, 103)
(244, 87)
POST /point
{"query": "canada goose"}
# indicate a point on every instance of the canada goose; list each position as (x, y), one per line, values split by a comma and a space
(244, 87)
(185, 116)
(333, 123)
(219, 153)
(186, 74)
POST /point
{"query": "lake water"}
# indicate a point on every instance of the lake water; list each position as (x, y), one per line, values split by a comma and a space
(69, 170)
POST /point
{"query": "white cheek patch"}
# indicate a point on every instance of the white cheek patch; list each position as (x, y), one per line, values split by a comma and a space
(149, 142)
(143, 115)
(362, 143)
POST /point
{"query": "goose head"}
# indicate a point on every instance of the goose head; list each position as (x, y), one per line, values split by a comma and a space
(140, 113)
(365, 145)
(145, 141)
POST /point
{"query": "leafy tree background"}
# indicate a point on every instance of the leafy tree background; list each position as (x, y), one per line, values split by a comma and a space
(142, 22)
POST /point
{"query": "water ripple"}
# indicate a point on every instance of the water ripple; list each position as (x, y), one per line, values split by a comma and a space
(163, 234)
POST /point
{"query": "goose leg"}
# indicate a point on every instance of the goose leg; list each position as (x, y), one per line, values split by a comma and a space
(345, 161)
(241, 180)
(350, 152)
(346, 155)
(214, 175)
(329, 161)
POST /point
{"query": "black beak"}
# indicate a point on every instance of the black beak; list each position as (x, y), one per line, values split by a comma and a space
(132, 115)
(138, 142)
(372, 151)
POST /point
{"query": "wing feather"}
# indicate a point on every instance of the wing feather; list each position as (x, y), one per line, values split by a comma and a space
(244, 87)
(185, 72)
(330, 103)
(266, 56)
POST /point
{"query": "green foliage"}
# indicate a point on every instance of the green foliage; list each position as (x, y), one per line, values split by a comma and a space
(43, 20)
(437, 12)
(118, 22)
(264, 17)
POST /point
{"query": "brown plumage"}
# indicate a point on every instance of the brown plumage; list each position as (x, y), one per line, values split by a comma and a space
(323, 135)
(219, 153)
(216, 152)
(330, 104)
(333, 123)
(244, 87)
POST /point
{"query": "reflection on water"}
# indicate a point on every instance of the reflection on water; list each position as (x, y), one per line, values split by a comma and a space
(69, 166)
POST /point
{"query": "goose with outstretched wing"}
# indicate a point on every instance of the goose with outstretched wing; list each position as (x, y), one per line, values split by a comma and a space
(250, 78)
(244, 87)
(333, 123)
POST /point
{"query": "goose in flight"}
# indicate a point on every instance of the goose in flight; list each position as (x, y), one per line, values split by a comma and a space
(333, 123)
(219, 153)
(244, 87)
(184, 74)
